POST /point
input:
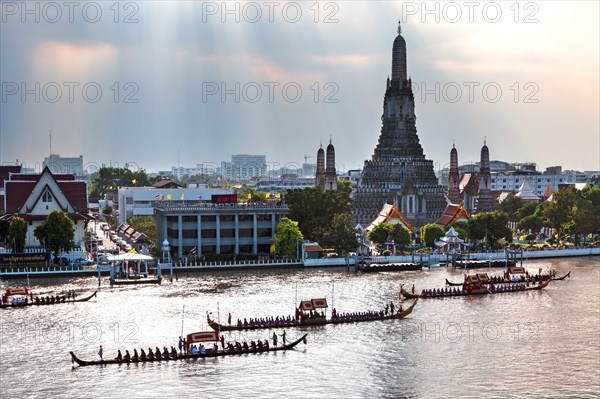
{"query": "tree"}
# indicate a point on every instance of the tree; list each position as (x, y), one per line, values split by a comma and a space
(531, 223)
(431, 232)
(108, 178)
(287, 237)
(462, 228)
(146, 225)
(380, 233)
(56, 233)
(511, 207)
(528, 209)
(491, 226)
(17, 232)
(341, 234)
(315, 209)
(559, 212)
(400, 235)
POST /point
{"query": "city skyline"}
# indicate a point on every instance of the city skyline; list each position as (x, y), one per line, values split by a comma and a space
(177, 77)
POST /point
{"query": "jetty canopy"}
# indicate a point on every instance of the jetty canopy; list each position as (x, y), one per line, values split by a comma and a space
(204, 336)
(129, 257)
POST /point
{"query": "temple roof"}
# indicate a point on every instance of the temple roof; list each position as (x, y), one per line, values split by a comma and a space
(389, 213)
(526, 193)
(453, 213)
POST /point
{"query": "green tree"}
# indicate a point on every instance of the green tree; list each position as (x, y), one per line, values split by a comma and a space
(108, 178)
(17, 233)
(431, 232)
(146, 225)
(462, 228)
(511, 206)
(586, 211)
(287, 237)
(56, 233)
(491, 226)
(559, 212)
(528, 209)
(341, 234)
(400, 235)
(531, 222)
(379, 234)
(315, 209)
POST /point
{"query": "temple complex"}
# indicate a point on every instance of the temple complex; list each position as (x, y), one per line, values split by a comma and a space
(398, 172)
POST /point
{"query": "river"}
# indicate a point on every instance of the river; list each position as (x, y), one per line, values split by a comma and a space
(540, 344)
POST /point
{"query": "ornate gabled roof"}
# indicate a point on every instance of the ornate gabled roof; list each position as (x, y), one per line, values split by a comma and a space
(452, 213)
(23, 191)
(388, 213)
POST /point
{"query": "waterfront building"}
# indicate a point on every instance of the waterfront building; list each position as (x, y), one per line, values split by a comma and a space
(398, 172)
(140, 201)
(326, 176)
(218, 228)
(33, 196)
(64, 165)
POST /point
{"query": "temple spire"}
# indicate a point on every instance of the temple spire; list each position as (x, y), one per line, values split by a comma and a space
(399, 30)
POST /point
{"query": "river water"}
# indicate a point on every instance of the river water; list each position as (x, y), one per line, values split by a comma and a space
(529, 344)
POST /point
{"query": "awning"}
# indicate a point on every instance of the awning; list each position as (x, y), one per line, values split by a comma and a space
(17, 291)
(204, 336)
(319, 303)
(306, 305)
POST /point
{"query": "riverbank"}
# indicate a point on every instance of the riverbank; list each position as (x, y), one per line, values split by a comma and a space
(183, 267)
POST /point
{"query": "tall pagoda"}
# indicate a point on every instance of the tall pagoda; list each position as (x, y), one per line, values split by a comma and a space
(398, 172)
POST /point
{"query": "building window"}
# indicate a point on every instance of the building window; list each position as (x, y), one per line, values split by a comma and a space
(47, 197)
(209, 233)
(227, 218)
(264, 232)
(190, 233)
(129, 200)
(188, 219)
(263, 217)
(209, 218)
(227, 233)
(172, 219)
(245, 218)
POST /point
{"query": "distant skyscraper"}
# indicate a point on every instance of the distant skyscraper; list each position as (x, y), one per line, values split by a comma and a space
(398, 172)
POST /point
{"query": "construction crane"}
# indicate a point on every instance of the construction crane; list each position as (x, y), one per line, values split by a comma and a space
(306, 158)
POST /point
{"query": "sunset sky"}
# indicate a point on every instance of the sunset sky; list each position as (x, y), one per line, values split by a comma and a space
(161, 76)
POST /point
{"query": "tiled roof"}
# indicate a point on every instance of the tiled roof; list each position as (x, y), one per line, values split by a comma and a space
(5, 172)
(452, 213)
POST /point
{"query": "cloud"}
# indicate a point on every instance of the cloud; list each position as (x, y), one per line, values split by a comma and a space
(73, 59)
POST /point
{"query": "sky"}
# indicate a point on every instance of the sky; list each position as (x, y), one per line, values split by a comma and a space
(155, 84)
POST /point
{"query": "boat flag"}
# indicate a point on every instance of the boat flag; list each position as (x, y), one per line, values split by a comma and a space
(193, 251)
(272, 249)
(249, 196)
(278, 196)
(268, 195)
(168, 196)
(182, 196)
(157, 196)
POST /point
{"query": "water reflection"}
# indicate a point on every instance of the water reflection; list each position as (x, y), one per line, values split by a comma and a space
(529, 344)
